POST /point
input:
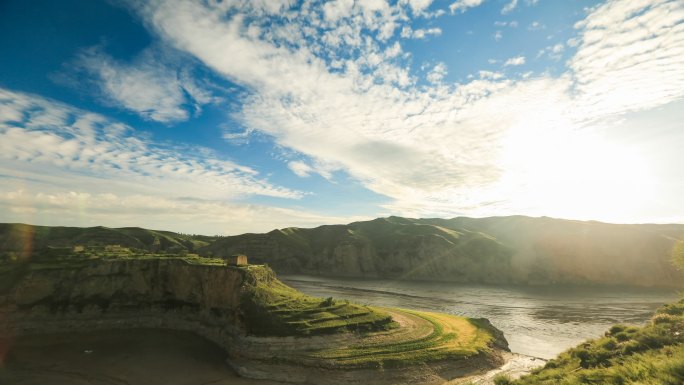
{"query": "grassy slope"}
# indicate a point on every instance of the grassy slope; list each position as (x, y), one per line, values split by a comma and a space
(449, 337)
(273, 308)
(393, 246)
(650, 355)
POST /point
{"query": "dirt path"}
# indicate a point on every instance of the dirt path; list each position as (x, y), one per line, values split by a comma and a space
(411, 327)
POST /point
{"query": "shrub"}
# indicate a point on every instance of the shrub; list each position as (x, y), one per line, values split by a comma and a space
(632, 347)
(616, 329)
(330, 301)
(608, 344)
(592, 358)
(664, 318)
(502, 379)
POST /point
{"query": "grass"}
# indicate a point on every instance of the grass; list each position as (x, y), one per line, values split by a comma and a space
(449, 337)
(649, 355)
(273, 308)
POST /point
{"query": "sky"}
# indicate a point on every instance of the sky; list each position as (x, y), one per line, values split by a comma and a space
(234, 116)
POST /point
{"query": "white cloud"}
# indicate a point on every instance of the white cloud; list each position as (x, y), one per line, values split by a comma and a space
(509, 7)
(419, 6)
(515, 61)
(631, 55)
(437, 73)
(463, 5)
(300, 168)
(535, 26)
(54, 144)
(64, 166)
(423, 33)
(498, 35)
(337, 9)
(145, 87)
(512, 24)
(439, 149)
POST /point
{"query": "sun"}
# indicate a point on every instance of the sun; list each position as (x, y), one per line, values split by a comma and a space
(572, 172)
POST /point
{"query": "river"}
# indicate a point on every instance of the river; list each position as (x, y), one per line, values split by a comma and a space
(537, 321)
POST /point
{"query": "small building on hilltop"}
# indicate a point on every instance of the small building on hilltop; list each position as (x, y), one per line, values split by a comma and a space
(236, 260)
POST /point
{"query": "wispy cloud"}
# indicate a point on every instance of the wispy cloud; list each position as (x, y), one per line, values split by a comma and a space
(437, 74)
(408, 32)
(509, 7)
(146, 87)
(515, 61)
(463, 5)
(626, 66)
(300, 168)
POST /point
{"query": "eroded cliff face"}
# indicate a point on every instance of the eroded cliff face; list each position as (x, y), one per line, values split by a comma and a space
(208, 300)
(123, 294)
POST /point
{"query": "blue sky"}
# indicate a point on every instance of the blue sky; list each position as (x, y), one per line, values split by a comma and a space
(223, 117)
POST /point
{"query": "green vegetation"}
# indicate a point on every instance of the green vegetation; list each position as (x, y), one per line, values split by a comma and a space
(435, 337)
(649, 355)
(273, 308)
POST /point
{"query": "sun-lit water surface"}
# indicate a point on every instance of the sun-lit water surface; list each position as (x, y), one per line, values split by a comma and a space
(537, 321)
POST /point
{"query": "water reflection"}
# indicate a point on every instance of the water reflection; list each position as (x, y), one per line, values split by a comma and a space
(538, 321)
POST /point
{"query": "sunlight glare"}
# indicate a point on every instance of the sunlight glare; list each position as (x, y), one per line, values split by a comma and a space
(574, 173)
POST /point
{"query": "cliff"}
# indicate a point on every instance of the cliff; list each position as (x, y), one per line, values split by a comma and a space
(121, 294)
(268, 329)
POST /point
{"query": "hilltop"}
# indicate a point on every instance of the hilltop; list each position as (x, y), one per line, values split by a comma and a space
(500, 250)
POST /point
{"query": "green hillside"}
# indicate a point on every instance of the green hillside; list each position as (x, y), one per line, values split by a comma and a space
(514, 249)
(650, 355)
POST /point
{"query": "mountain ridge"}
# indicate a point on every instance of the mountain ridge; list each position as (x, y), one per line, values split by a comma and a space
(498, 250)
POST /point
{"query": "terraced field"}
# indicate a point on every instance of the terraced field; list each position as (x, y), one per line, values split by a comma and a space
(420, 337)
(275, 309)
